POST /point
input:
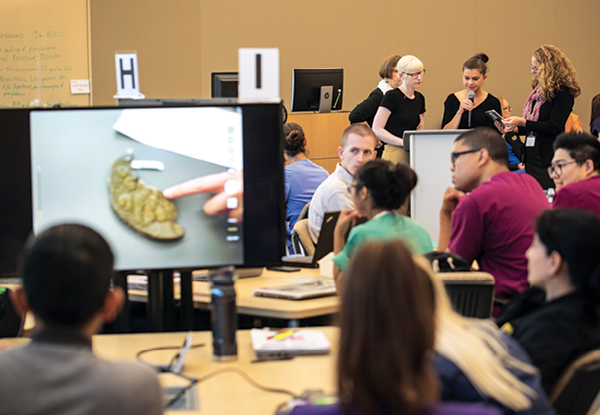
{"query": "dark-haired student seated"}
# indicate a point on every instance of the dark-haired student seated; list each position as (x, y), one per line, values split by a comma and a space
(66, 273)
(575, 170)
(302, 177)
(488, 215)
(558, 319)
(379, 187)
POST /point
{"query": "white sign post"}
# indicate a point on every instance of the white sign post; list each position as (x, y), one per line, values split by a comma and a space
(128, 85)
(258, 73)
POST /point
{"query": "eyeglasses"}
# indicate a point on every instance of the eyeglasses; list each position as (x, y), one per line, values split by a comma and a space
(415, 75)
(535, 68)
(350, 187)
(557, 167)
(455, 156)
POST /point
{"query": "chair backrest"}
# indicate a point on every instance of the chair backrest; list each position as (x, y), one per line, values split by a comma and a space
(301, 240)
(578, 387)
(471, 293)
(304, 212)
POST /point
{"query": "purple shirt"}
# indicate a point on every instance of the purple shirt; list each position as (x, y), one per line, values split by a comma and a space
(584, 195)
(445, 408)
(494, 225)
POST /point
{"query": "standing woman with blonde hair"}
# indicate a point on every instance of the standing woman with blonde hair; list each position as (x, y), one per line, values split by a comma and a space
(401, 109)
(546, 110)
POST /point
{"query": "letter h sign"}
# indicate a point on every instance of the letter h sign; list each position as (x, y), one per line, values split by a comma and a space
(127, 75)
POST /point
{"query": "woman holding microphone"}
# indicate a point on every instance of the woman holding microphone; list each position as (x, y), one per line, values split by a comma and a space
(466, 108)
(401, 109)
(546, 110)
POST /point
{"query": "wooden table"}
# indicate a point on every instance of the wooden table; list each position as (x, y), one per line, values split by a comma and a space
(227, 393)
(248, 304)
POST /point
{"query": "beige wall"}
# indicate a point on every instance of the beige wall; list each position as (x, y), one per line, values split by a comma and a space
(180, 42)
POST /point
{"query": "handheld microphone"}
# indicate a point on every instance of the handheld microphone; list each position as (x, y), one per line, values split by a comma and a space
(471, 96)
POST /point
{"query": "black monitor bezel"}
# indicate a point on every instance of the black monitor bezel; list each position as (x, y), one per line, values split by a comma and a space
(261, 223)
(306, 88)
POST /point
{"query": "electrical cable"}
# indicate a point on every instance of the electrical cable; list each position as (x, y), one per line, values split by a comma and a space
(163, 368)
(194, 381)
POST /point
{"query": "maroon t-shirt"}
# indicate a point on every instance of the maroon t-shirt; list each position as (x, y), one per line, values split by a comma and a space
(584, 195)
(494, 224)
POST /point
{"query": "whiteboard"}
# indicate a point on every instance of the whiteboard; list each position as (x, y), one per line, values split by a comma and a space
(430, 159)
(55, 33)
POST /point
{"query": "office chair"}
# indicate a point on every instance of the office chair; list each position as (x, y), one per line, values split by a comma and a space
(471, 293)
(301, 245)
(576, 391)
(304, 212)
(301, 241)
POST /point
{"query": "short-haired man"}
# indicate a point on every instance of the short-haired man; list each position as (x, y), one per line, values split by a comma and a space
(575, 170)
(66, 275)
(488, 215)
(357, 147)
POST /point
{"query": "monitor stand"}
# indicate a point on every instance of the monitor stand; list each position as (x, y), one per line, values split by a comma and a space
(325, 99)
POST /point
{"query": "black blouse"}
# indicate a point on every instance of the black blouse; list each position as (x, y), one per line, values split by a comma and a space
(478, 117)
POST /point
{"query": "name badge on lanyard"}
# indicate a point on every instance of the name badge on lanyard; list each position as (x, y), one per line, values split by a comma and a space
(530, 141)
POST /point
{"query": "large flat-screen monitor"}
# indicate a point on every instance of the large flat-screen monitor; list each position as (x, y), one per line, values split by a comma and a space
(108, 168)
(317, 89)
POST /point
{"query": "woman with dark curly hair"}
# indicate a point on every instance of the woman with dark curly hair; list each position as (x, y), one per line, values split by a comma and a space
(546, 110)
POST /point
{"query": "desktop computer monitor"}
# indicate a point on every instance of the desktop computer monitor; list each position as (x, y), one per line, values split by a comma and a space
(107, 168)
(317, 89)
(224, 84)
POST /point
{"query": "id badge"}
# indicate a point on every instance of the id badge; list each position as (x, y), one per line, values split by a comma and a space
(530, 141)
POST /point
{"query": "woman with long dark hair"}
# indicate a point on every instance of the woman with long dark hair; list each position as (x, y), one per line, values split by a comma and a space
(558, 319)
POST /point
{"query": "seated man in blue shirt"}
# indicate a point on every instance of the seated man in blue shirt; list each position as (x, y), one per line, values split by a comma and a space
(66, 274)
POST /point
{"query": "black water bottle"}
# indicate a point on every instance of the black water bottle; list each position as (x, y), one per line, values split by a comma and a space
(223, 314)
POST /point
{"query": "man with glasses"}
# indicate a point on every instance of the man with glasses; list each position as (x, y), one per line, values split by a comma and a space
(488, 215)
(575, 170)
(357, 147)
